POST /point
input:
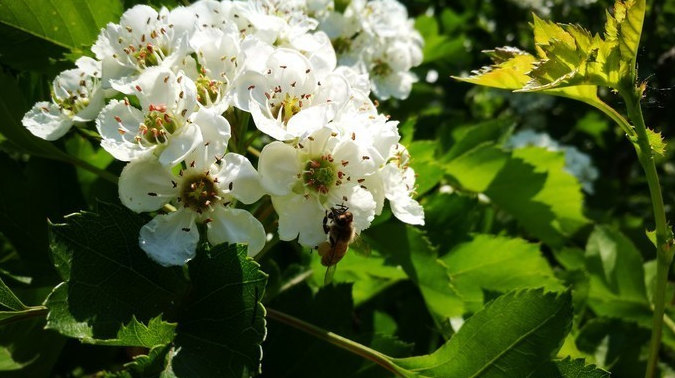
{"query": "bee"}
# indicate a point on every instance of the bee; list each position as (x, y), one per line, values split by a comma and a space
(341, 233)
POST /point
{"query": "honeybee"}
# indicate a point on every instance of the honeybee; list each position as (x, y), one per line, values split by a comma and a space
(341, 234)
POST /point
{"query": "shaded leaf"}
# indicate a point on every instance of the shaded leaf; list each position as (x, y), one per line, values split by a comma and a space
(222, 324)
(108, 278)
(410, 248)
(569, 368)
(511, 336)
(157, 332)
(8, 299)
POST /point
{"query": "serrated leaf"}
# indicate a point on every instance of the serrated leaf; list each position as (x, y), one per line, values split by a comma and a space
(509, 70)
(108, 278)
(518, 331)
(657, 143)
(569, 368)
(222, 324)
(625, 27)
(67, 23)
(529, 183)
(135, 333)
(499, 264)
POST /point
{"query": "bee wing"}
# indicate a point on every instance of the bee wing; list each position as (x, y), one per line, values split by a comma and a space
(360, 247)
(330, 272)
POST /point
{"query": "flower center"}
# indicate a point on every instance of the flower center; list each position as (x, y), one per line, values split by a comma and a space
(208, 90)
(290, 106)
(199, 192)
(381, 69)
(73, 104)
(147, 56)
(157, 124)
(320, 174)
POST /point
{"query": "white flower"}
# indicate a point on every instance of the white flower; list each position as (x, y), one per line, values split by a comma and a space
(143, 38)
(203, 193)
(287, 101)
(308, 178)
(398, 180)
(166, 125)
(76, 97)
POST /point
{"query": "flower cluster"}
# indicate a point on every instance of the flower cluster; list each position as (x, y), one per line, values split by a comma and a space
(171, 92)
(577, 163)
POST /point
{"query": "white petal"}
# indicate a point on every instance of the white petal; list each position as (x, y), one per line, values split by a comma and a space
(238, 173)
(215, 130)
(407, 210)
(310, 119)
(170, 239)
(46, 121)
(267, 124)
(181, 144)
(236, 226)
(279, 168)
(145, 185)
(244, 86)
(120, 144)
(300, 216)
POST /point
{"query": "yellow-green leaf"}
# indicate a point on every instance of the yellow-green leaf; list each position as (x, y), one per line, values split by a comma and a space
(657, 143)
(509, 71)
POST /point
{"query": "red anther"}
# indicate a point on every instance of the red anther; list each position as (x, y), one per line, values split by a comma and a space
(283, 67)
(251, 87)
(307, 71)
(360, 180)
(118, 119)
(138, 88)
(365, 157)
(230, 186)
(268, 96)
(192, 164)
(344, 163)
(208, 220)
(314, 164)
(353, 136)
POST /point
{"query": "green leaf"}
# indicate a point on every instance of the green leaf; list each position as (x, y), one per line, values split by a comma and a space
(625, 27)
(370, 274)
(529, 183)
(498, 264)
(617, 279)
(222, 324)
(520, 330)
(509, 70)
(28, 350)
(157, 332)
(108, 278)
(569, 368)
(657, 143)
(423, 160)
(420, 261)
(67, 23)
(8, 299)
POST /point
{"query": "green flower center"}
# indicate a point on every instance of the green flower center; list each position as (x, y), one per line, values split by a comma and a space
(290, 106)
(320, 174)
(207, 90)
(157, 124)
(381, 69)
(199, 192)
(147, 56)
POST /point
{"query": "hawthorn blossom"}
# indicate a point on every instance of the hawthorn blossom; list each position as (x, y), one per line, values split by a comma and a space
(169, 124)
(203, 193)
(77, 97)
(288, 101)
(144, 38)
(398, 181)
(309, 177)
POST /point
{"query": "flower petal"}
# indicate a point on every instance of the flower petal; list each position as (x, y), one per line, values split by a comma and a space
(181, 144)
(300, 217)
(238, 173)
(145, 185)
(170, 239)
(236, 226)
(279, 168)
(117, 135)
(407, 210)
(215, 130)
(46, 121)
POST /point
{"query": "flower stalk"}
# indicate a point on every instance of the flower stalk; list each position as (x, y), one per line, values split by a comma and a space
(664, 237)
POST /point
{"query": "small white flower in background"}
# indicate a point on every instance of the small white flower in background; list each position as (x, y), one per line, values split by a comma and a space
(77, 96)
(169, 123)
(203, 193)
(577, 163)
(143, 38)
(307, 178)
(398, 180)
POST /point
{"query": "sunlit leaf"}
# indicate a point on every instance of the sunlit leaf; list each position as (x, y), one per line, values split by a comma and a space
(509, 70)
(499, 264)
(517, 333)
(657, 143)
